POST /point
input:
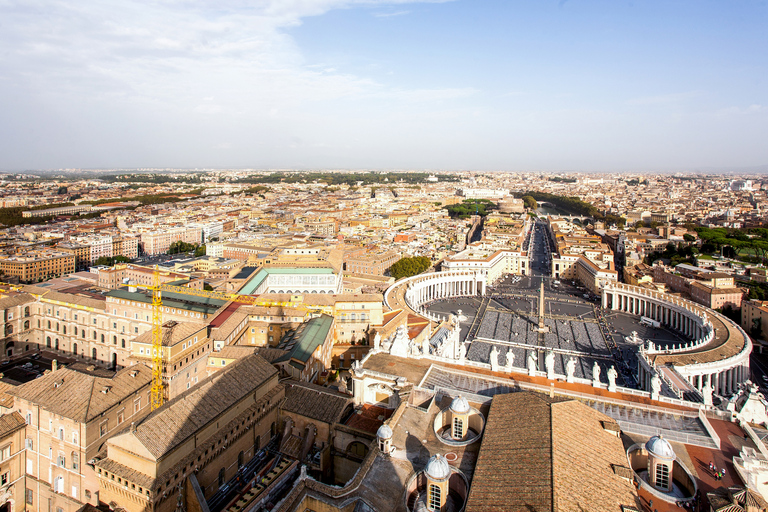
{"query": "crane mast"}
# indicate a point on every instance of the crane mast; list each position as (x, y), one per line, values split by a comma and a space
(158, 395)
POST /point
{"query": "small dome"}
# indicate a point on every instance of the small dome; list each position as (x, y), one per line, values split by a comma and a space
(660, 447)
(459, 405)
(384, 432)
(438, 468)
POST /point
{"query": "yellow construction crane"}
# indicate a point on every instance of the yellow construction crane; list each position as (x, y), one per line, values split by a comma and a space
(157, 343)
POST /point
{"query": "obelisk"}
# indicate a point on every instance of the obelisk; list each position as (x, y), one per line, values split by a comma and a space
(542, 327)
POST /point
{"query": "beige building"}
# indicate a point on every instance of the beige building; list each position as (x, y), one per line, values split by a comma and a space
(69, 415)
(195, 443)
(35, 266)
(13, 493)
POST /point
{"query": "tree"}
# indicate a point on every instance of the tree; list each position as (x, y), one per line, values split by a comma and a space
(689, 238)
(181, 247)
(62, 191)
(200, 251)
(407, 267)
(530, 202)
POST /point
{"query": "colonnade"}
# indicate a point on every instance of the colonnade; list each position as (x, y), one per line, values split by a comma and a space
(692, 361)
(671, 314)
(424, 288)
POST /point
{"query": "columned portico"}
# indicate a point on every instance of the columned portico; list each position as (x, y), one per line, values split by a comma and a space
(718, 357)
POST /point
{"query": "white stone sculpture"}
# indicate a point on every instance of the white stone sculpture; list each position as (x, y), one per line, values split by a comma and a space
(706, 392)
(510, 360)
(612, 374)
(655, 387)
(595, 374)
(549, 362)
(570, 369)
(494, 359)
(462, 351)
(531, 364)
(377, 341)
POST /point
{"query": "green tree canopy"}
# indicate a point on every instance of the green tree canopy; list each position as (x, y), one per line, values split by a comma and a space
(409, 266)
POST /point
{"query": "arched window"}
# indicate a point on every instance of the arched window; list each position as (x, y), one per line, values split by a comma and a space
(64, 329)
(74, 348)
(102, 338)
(75, 331)
(458, 428)
(57, 326)
(114, 340)
(83, 334)
(221, 477)
(8, 329)
(48, 342)
(434, 497)
(94, 354)
(56, 343)
(49, 324)
(26, 311)
(357, 449)
(26, 325)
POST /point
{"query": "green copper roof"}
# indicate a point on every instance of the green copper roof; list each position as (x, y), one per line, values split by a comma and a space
(306, 339)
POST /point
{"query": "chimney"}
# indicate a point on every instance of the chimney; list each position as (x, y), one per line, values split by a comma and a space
(54, 365)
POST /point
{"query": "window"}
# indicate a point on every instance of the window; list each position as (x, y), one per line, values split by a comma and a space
(103, 429)
(662, 476)
(75, 461)
(433, 502)
(30, 497)
(61, 461)
(74, 437)
(5, 452)
(121, 416)
(29, 444)
(137, 405)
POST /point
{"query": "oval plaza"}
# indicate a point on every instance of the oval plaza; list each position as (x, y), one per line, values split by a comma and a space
(694, 351)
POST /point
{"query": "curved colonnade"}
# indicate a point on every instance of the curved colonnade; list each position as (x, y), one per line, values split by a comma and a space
(415, 291)
(718, 353)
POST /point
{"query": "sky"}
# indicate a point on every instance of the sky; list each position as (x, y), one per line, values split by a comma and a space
(529, 85)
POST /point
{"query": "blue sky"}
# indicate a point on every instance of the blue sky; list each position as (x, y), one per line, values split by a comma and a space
(487, 85)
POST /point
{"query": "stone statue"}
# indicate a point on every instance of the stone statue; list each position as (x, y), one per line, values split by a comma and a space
(549, 362)
(531, 364)
(706, 392)
(655, 387)
(596, 374)
(494, 359)
(462, 351)
(570, 368)
(377, 341)
(510, 359)
(612, 374)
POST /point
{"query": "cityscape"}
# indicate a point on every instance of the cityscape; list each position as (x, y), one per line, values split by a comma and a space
(385, 255)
